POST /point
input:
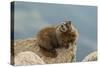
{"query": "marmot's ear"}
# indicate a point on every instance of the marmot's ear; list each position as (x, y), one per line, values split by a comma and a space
(69, 22)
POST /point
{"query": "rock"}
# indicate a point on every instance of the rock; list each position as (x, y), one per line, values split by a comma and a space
(27, 58)
(64, 55)
(91, 57)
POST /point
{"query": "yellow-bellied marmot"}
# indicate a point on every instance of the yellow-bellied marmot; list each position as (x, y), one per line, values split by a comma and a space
(51, 38)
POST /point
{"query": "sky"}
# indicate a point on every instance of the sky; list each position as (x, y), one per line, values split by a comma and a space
(30, 17)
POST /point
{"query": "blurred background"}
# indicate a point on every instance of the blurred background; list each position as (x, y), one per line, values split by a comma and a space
(30, 17)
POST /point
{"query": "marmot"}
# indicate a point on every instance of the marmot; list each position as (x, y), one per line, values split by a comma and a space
(51, 38)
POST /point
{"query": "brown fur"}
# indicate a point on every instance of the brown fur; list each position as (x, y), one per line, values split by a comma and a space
(50, 39)
(48, 42)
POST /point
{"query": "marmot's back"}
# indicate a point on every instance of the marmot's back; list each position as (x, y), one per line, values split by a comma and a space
(47, 38)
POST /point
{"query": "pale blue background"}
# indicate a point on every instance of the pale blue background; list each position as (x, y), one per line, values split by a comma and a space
(31, 17)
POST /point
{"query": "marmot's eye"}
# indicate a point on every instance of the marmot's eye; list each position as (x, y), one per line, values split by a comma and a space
(61, 25)
(63, 28)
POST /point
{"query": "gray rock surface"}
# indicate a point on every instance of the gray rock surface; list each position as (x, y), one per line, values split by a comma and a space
(31, 44)
(91, 57)
(27, 58)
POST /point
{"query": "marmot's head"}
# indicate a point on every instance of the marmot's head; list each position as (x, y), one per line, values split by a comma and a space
(64, 26)
(66, 33)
